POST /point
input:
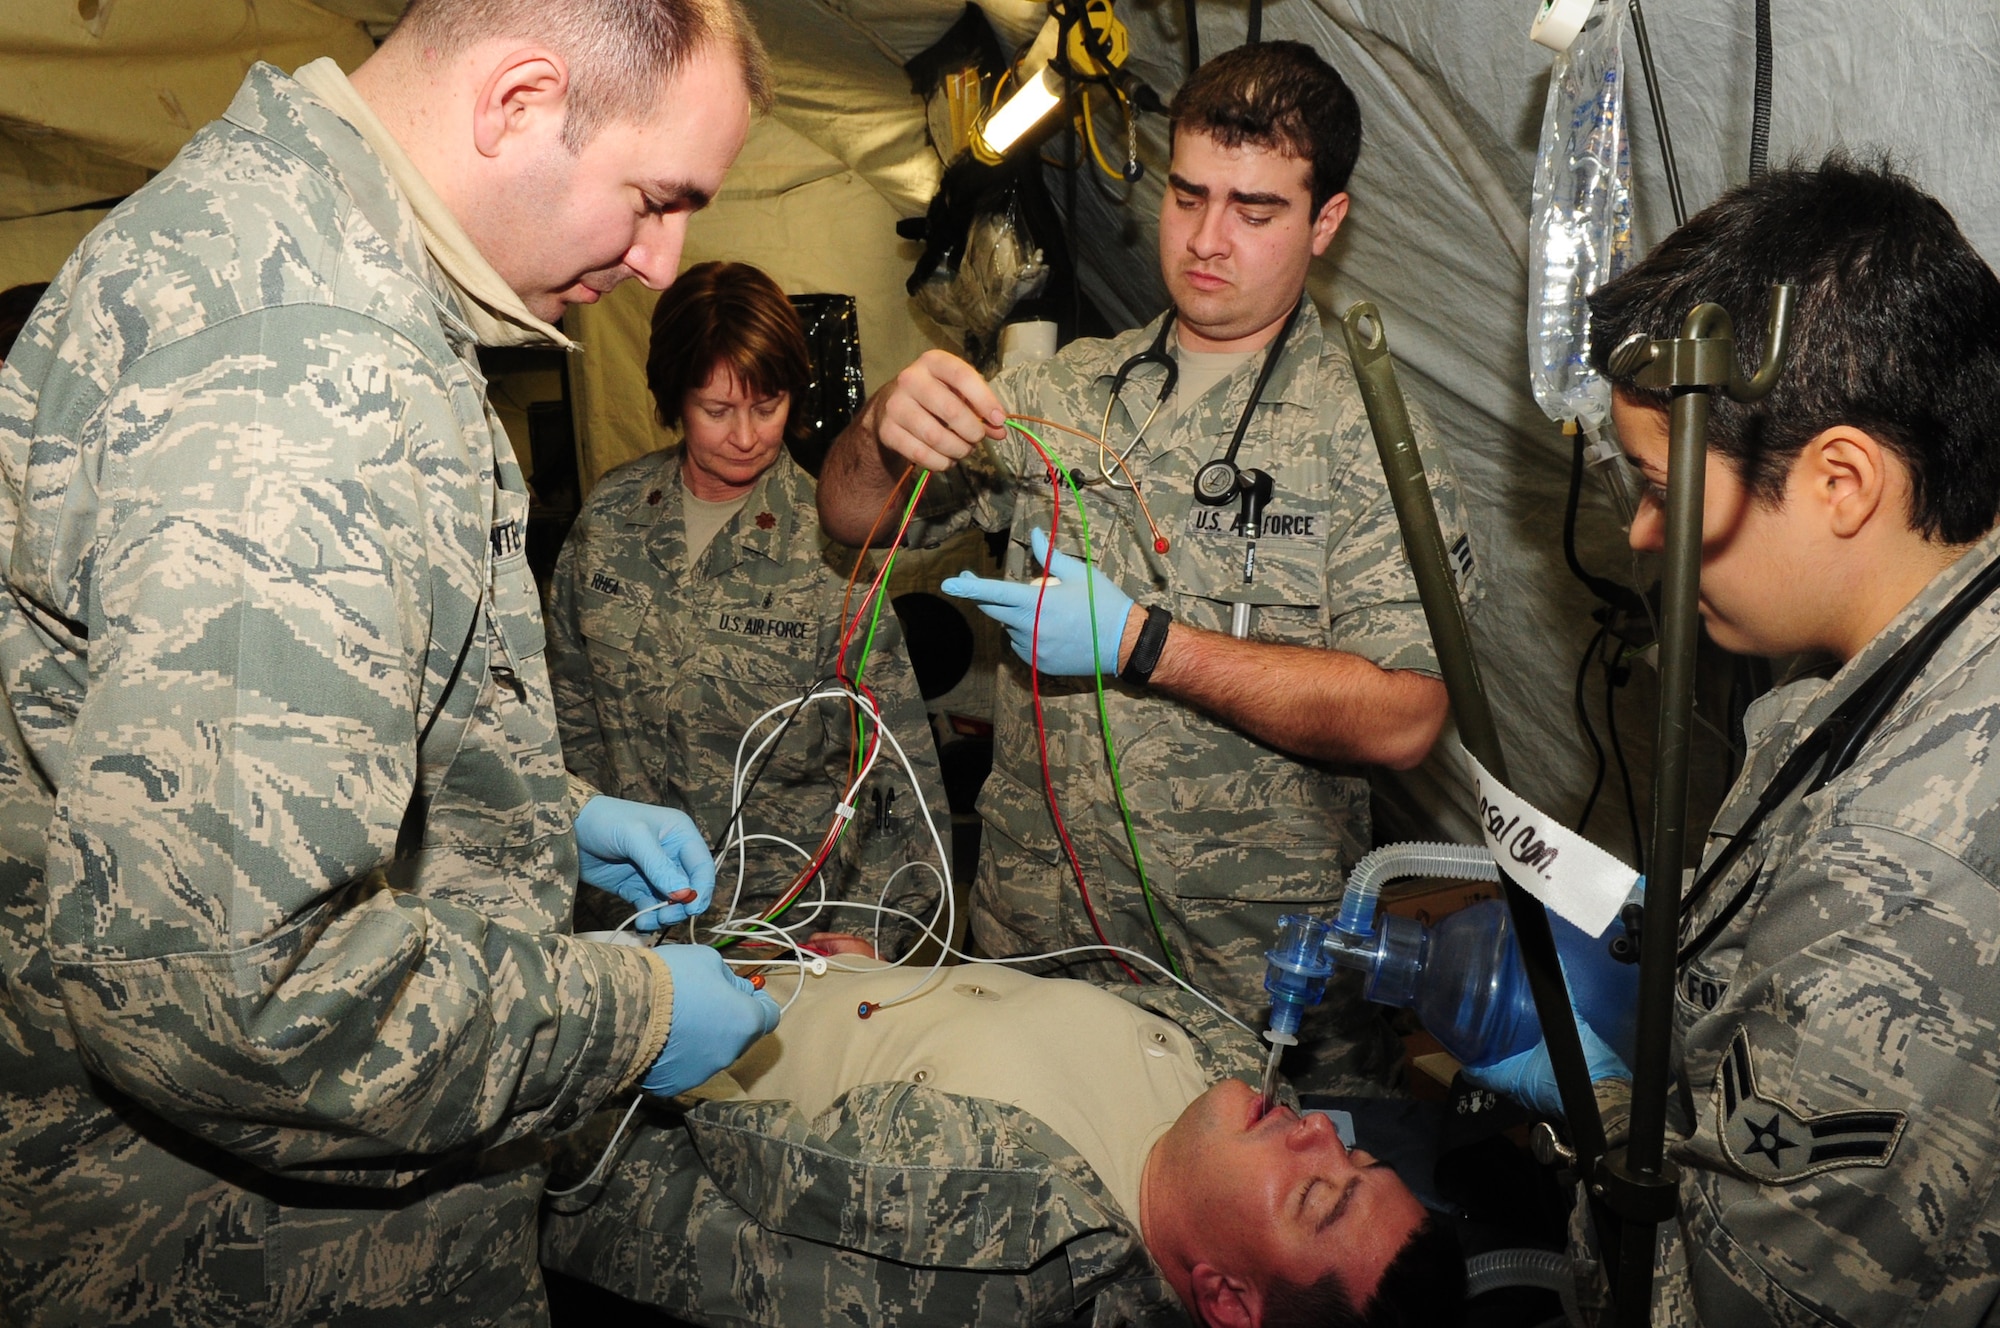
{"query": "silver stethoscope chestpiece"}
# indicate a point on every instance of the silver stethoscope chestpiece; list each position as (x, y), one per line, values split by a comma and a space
(1216, 482)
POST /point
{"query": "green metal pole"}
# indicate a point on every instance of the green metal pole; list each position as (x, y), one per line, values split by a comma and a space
(1639, 1167)
(1637, 1180)
(1423, 541)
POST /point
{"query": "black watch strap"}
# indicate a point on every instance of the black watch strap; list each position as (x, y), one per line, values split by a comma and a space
(1145, 654)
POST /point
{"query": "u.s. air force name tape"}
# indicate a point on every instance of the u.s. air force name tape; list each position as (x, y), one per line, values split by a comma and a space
(1567, 872)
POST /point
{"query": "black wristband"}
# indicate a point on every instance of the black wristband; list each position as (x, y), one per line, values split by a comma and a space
(1145, 656)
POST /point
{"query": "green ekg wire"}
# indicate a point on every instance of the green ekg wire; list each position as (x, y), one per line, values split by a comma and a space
(1103, 714)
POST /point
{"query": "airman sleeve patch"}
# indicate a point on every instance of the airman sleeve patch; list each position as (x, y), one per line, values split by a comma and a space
(1772, 1144)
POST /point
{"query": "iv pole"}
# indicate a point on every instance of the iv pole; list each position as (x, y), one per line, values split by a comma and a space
(1637, 1180)
(1423, 542)
(1634, 1184)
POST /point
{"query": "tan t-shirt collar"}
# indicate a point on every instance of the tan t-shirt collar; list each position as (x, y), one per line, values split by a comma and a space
(494, 310)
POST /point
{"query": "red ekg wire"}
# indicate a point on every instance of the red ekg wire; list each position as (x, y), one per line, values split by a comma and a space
(1041, 729)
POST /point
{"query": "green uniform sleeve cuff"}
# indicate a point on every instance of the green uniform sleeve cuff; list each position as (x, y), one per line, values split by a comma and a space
(625, 998)
(581, 791)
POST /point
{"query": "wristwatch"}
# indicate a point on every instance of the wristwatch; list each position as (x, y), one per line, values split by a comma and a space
(1145, 654)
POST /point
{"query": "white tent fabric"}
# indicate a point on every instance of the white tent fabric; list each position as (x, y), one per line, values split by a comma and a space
(93, 93)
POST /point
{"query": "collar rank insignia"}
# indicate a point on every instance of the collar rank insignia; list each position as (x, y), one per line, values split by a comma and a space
(766, 520)
(1774, 1145)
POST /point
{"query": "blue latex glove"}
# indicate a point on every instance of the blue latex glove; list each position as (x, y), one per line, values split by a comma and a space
(644, 854)
(717, 1015)
(1530, 1077)
(1065, 630)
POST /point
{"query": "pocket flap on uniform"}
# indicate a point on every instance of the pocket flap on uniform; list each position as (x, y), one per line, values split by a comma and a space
(607, 617)
(1307, 871)
(1020, 814)
(902, 1172)
(769, 665)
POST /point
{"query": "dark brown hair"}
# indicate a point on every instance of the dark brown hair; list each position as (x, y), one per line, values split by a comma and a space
(1896, 330)
(1278, 95)
(727, 314)
(1423, 1287)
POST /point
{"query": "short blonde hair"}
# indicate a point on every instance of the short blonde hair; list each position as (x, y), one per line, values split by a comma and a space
(619, 52)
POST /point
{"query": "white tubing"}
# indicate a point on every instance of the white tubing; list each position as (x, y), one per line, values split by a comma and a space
(1394, 862)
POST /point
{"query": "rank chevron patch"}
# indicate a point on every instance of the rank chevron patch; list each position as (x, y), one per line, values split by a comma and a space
(1773, 1144)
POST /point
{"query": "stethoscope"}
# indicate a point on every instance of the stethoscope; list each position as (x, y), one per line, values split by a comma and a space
(1153, 354)
(1218, 481)
(1835, 744)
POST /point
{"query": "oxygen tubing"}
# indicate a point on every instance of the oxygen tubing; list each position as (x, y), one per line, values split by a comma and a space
(1395, 862)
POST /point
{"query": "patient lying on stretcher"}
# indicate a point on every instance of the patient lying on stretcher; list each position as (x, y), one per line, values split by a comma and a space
(1002, 1149)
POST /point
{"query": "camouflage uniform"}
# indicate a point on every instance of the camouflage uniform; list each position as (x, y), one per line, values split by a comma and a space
(659, 671)
(898, 1205)
(285, 851)
(1233, 833)
(1839, 1042)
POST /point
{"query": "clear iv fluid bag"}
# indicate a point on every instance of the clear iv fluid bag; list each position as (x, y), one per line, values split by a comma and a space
(1464, 980)
(1580, 230)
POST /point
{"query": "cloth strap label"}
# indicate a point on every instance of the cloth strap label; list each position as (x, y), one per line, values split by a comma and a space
(1568, 873)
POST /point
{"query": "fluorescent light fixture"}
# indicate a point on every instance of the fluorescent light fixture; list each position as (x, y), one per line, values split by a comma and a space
(1035, 99)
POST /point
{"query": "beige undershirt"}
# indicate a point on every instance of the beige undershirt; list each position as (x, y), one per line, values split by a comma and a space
(491, 306)
(1104, 1074)
(703, 520)
(1201, 370)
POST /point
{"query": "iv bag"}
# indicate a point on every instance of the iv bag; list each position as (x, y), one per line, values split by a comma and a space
(1580, 234)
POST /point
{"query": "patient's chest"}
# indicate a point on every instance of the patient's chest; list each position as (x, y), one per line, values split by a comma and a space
(1104, 1074)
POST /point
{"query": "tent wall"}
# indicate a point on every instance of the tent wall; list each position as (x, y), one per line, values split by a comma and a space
(33, 248)
(97, 94)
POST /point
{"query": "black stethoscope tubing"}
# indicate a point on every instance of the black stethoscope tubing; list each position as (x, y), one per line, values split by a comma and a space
(1153, 354)
(1838, 740)
(1218, 481)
